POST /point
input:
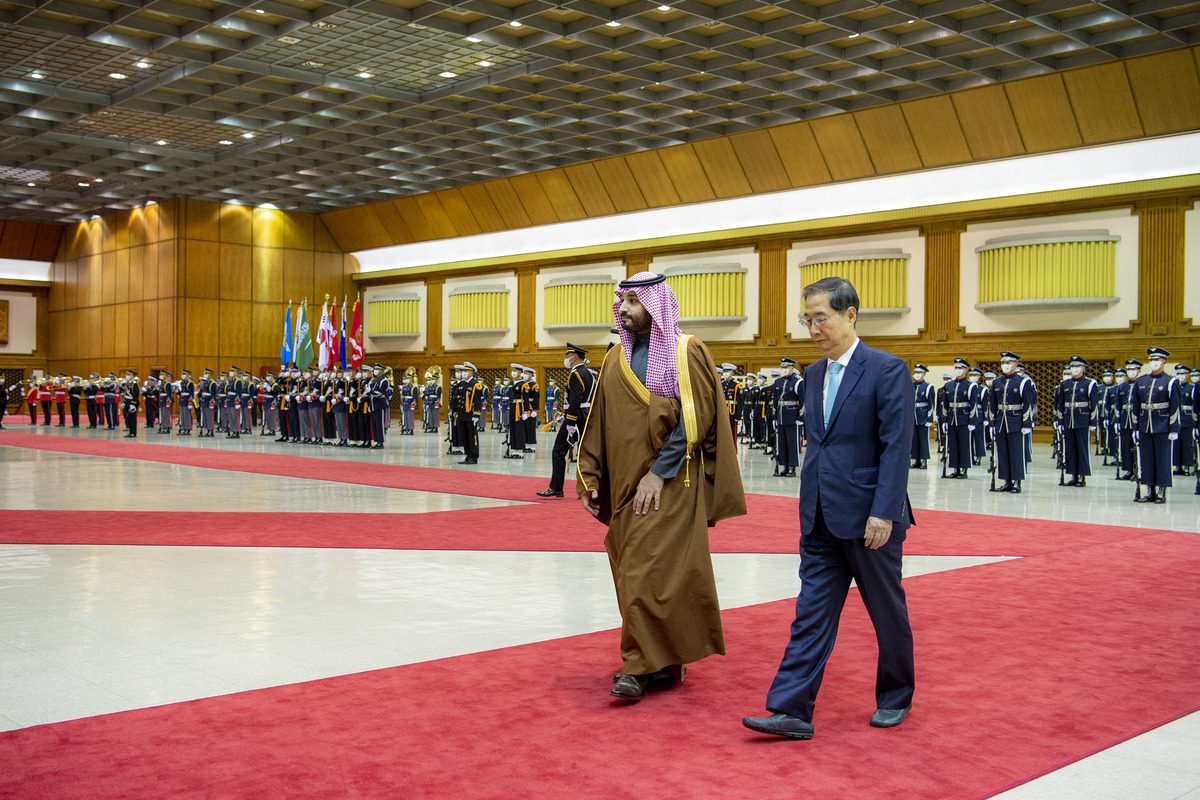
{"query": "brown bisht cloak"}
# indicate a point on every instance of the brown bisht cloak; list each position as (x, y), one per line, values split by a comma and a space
(661, 566)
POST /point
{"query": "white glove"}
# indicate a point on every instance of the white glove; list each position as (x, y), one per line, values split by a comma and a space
(1172, 436)
(525, 415)
(928, 424)
(1117, 427)
(970, 427)
(1027, 431)
(1092, 428)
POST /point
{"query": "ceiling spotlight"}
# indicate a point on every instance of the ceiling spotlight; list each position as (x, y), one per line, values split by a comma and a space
(31, 184)
(910, 22)
(516, 23)
(94, 216)
(37, 76)
(161, 143)
(118, 76)
(151, 202)
(259, 11)
(447, 74)
(364, 75)
(84, 185)
(225, 141)
(247, 135)
(664, 8)
(612, 23)
(98, 180)
(142, 64)
(854, 36)
(487, 64)
(474, 39)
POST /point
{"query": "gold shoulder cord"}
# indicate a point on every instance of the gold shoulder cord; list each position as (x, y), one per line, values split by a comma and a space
(687, 402)
(595, 388)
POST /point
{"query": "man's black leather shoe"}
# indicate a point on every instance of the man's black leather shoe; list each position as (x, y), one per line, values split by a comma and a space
(780, 725)
(889, 717)
(549, 493)
(629, 687)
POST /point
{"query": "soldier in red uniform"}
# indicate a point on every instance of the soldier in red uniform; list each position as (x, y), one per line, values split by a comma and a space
(60, 399)
(44, 395)
(31, 398)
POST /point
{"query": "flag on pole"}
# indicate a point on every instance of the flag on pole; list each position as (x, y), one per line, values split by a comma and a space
(324, 332)
(285, 352)
(342, 336)
(335, 343)
(356, 336)
(302, 349)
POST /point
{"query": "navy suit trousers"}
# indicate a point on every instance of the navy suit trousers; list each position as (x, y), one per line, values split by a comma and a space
(827, 564)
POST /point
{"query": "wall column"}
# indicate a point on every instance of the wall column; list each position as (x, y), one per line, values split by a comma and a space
(1160, 266)
(526, 309)
(772, 294)
(433, 315)
(634, 264)
(942, 280)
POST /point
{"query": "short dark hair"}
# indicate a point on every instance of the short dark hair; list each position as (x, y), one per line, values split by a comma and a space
(842, 294)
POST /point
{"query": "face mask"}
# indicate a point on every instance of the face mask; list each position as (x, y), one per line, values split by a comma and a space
(1120, 378)
(1108, 380)
(1156, 364)
(567, 363)
(959, 372)
(378, 372)
(1077, 372)
(918, 376)
(516, 375)
(1008, 367)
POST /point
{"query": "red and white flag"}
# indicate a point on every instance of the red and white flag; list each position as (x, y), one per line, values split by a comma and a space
(355, 342)
(335, 338)
(325, 336)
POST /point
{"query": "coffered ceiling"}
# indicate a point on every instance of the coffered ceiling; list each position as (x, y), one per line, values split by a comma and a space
(324, 104)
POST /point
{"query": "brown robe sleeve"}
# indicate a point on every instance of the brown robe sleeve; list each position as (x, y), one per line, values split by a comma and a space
(724, 494)
(591, 468)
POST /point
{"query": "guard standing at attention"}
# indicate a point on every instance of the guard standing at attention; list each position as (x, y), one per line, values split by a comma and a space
(379, 394)
(788, 394)
(960, 400)
(1124, 436)
(74, 392)
(129, 402)
(187, 399)
(516, 416)
(1182, 454)
(1154, 409)
(408, 403)
(732, 391)
(91, 388)
(469, 405)
(530, 397)
(1012, 403)
(1078, 407)
(580, 383)
(923, 400)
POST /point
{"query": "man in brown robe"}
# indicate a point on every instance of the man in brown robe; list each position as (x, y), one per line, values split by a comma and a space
(657, 465)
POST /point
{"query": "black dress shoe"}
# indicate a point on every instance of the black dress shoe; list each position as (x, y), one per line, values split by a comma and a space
(528, 450)
(889, 717)
(513, 455)
(469, 461)
(629, 687)
(780, 725)
(1160, 499)
(550, 493)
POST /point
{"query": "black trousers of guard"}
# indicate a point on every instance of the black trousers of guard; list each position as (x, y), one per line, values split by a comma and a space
(958, 440)
(45, 412)
(131, 420)
(91, 411)
(1154, 452)
(558, 460)
(74, 403)
(468, 435)
(378, 424)
(1075, 451)
(1181, 449)
(920, 445)
(1010, 455)
(516, 433)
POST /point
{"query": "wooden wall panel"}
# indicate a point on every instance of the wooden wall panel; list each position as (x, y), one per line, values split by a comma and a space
(435, 214)
(142, 227)
(487, 216)
(108, 334)
(760, 161)
(1103, 104)
(1167, 90)
(233, 334)
(165, 349)
(322, 239)
(561, 195)
(652, 179)
(46, 243)
(166, 214)
(167, 269)
(297, 275)
(532, 197)
(236, 223)
(1043, 113)
(18, 238)
(202, 220)
(936, 132)
(414, 218)
(888, 140)
(108, 277)
(122, 275)
(266, 329)
(138, 257)
(133, 344)
(988, 123)
(589, 188)
(721, 166)
(149, 328)
(800, 154)
(121, 328)
(202, 269)
(686, 173)
(459, 211)
(842, 147)
(357, 228)
(510, 208)
(201, 318)
(266, 284)
(235, 272)
(621, 186)
(327, 276)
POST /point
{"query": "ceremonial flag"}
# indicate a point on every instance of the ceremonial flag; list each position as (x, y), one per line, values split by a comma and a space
(335, 343)
(342, 336)
(285, 352)
(302, 349)
(356, 336)
(324, 334)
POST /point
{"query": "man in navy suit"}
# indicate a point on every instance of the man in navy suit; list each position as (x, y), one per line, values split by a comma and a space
(854, 513)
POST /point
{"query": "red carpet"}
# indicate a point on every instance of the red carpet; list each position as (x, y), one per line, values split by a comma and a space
(1023, 666)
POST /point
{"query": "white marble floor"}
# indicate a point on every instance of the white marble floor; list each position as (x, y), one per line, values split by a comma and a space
(88, 630)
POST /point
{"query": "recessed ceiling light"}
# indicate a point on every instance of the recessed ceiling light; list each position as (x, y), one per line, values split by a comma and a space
(37, 76)
(289, 40)
(664, 8)
(98, 180)
(118, 76)
(612, 23)
(854, 36)
(313, 64)
(151, 202)
(516, 23)
(448, 74)
(474, 39)
(247, 135)
(225, 141)
(259, 11)
(487, 64)
(910, 22)
(161, 143)
(365, 75)
(84, 185)
(31, 184)
(143, 64)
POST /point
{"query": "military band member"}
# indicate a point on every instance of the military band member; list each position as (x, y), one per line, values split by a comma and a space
(1012, 403)
(1078, 407)
(516, 415)
(162, 392)
(923, 416)
(339, 403)
(960, 403)
(31, 400)
(187, 401)
(468, 406)
(93, 404)
(111, 394)
(75, 391)
(45, 395)
(1154, 405)
(1182, 454)
(249, 401)
(378, 392)
(531, 394)
(149, 391)
(788, 395)
(60, 399)
(577, 406)
(408, 406)
(206, 398)
(129, 403)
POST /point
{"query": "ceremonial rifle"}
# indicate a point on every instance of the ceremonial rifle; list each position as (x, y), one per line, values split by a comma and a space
(992, 461)
(943, 447)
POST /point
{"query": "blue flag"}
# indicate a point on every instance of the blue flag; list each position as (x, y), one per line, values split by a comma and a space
(285, 353)
(342, 336)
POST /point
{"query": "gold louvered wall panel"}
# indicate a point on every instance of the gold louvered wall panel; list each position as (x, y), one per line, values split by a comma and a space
(393, 316)
(710, 294)
(881, 282)
(1052, 270)
(579, 304)
(479, 311)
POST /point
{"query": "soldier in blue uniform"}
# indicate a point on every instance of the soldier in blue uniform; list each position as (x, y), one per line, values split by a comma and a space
(1182, 455)
(497, 400)
(1078, 407)
(552, 398)
(1108, 399)
(378, 394)
(1013, 411)
(923, 414)
(1124, 428)
(980, 417)
(1023, 371)
(960, 402)
(92, 400)
(466, 405)
(452, 404)
(788, 393)
(165, 401)
(408, 405)
(431, 402)
(732, 391)
(187, 400)
(1154, 404)
(578, 404)
(129, 403)
(749, 406)
(516, 415)
(531, 397)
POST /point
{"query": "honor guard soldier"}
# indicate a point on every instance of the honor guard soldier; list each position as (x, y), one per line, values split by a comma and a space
(960, 401)
(452, 404)
(111, 396)
(339, 403)
(207, 394)
(1125, 453)
(129, 403)
(732, 391)
(497, 397)
(578, 404)
(233, 404)
(980, 418)
(431, 400)
(75, 391)
(789, 418)
(164, 402)
(187, 401)
(408, 403)
(516, 415)
(469, 405)
(1108, 399)
(923, 414)
(150, 401)
(552, 399)
(270, 405)
(1154, 406)
(1078, 408)
(1023, 371)
(1182, 455)
(531, 397)
(91, 390)
(379, 393)
(1013, 412)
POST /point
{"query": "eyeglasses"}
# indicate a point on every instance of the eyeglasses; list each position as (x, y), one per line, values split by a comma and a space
(818, 321)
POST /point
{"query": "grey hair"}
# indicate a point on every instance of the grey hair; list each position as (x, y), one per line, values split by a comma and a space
(842, 294)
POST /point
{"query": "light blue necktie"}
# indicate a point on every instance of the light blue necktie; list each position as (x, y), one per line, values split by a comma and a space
(835, 379)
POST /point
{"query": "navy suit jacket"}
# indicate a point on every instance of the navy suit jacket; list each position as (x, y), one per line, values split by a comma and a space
(857, 466)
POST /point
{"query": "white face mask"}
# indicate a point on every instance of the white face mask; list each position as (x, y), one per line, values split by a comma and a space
(1077, 372)
(1156, 364)
(1108, 380)
(1196, 379)
(1120, 378)
(1008, 367)
(567, 362)
(960, 371)
(516, 375)
(918, 376)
